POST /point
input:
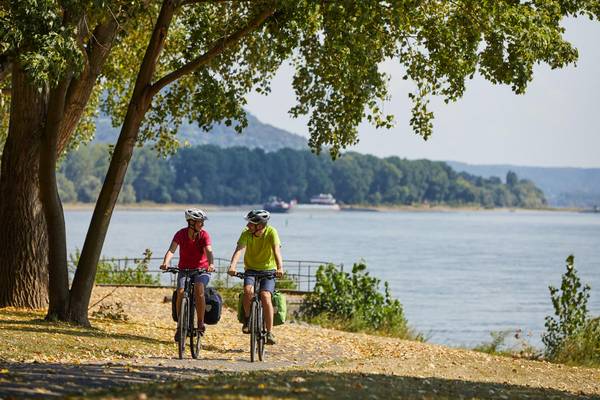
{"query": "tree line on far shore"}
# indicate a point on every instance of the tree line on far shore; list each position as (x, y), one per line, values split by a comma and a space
(235, 176)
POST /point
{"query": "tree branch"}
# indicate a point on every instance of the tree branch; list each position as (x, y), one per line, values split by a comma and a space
(217, 48)
(80, 89)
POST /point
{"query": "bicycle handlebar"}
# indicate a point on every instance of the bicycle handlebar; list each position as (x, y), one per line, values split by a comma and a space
(175, 270)
(265, 274)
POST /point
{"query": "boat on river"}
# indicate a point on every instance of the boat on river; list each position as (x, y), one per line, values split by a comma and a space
(276, 205)
(594, 209)
(321, 202)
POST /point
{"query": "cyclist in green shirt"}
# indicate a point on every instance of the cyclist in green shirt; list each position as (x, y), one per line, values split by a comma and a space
(262, 253)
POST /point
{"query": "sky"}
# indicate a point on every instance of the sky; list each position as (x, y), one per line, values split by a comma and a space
(555, 123)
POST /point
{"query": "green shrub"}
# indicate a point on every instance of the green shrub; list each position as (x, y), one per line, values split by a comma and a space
(582, 348)
(353, 302)
(287, 282)
(509, 343)
(109, 272)
(570, 309)
(495, 345)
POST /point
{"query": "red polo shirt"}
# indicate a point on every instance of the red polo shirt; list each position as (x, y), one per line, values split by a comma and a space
(192, 254)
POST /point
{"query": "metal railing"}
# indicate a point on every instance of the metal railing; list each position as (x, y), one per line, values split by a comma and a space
(299, 274)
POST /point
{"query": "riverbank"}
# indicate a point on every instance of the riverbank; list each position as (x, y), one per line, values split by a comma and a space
(149, 206)
(136, 359)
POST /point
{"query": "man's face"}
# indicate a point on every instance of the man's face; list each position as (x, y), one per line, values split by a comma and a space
(255, 229)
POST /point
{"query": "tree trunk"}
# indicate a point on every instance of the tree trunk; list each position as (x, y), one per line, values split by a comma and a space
(57, 240)
(26, 262)
(23, 236)
(83, 282)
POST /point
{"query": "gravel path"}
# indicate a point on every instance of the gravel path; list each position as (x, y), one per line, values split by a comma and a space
(305, 348)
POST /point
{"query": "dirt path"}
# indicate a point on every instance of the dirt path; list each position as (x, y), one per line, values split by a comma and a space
(419, 369)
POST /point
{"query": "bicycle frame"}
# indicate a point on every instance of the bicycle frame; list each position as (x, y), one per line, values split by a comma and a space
(256, 323)
(186, 318)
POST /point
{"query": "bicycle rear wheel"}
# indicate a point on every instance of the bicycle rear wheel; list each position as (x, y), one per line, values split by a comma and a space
(260, 327)
(195, 337)
(253, 330)
(183, 325)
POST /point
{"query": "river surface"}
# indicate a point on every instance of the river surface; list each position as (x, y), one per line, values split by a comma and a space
(459, 275)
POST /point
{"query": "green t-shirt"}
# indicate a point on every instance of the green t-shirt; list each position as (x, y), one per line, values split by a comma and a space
(259, 250)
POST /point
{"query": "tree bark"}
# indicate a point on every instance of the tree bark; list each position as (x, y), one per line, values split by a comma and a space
(85, 274)
(138, 106)
(58, 289)
(23, 239)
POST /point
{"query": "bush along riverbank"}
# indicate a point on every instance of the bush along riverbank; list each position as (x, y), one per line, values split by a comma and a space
(353, 302)
(572, 335)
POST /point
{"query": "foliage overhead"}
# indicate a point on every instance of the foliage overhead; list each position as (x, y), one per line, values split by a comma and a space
(336, 48)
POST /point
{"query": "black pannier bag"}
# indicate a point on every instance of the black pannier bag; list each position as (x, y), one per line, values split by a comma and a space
(212, 312)
(214, 304)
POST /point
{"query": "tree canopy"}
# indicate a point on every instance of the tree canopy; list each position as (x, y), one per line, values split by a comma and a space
(336, 48)
(152, 64)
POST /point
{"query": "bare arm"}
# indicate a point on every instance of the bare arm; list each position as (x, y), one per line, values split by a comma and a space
(168, 255)
(209, 256)
(234, 259)
(278, 260)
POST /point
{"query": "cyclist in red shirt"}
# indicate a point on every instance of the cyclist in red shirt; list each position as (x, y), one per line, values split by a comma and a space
(195, 253)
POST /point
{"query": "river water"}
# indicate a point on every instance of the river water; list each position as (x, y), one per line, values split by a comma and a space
(459, 275)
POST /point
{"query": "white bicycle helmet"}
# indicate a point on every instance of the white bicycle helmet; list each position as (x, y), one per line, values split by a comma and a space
(195, 214)
(258, 216)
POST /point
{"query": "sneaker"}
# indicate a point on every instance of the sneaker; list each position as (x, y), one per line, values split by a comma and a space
(270, 338)
(177, 335)
(201, 329)
(245, 327)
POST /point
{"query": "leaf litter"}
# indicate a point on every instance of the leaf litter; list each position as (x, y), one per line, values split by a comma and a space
(148, 335)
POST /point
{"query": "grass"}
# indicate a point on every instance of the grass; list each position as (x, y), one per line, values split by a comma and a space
(357, 324)
(518, 347)
(583, 348)
(63, 342)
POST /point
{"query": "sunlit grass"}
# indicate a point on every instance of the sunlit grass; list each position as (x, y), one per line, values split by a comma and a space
(26, 336)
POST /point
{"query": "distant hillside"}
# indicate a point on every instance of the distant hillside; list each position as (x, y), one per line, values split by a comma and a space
(563, 187)
(256, 135)
(213, 175)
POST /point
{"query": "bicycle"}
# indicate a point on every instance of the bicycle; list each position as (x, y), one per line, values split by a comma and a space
(187, 323)
(256, 323)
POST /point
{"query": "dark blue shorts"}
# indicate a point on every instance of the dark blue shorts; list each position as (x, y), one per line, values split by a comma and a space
(266, 284)
(202, 278)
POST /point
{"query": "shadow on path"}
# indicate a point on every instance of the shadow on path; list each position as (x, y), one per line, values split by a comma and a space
(292, 384)
(41, 326)
(44, 380)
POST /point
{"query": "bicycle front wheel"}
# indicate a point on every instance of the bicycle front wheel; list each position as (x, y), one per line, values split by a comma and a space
(183, 325)
(194, 333)
(260, 328)
(254, 333)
